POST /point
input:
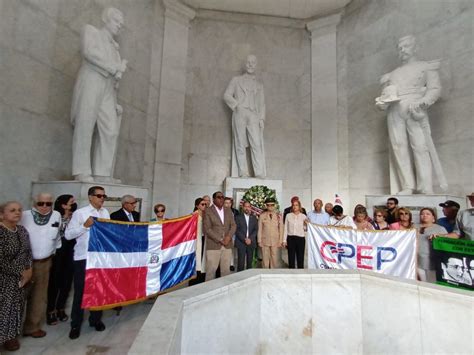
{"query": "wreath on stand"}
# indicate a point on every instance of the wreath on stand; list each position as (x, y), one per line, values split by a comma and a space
(257, 195)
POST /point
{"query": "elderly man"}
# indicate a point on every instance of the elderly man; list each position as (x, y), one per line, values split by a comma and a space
(270, 234)
(408, 92)
(219, 227)
(78, 229)
(94, 102)
(245, 97)
(318, 216)
(127, 213)
(43, 225)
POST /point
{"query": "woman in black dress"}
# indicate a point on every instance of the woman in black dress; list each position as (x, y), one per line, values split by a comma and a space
(15, 273)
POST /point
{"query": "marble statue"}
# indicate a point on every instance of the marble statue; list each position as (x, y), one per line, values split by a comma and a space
(245, 97)
(94, 104)
(407, 93)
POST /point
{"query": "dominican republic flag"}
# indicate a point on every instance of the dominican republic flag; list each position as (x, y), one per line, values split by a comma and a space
(128, 262)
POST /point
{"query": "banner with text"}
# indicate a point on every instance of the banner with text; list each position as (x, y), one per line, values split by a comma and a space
(387, 252)
(454, 262)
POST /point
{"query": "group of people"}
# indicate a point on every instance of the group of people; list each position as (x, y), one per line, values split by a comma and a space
(43, 250)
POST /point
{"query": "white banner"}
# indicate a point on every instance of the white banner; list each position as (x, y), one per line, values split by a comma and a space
(388, 252)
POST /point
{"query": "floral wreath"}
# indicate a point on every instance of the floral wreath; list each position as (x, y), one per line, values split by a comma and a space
(257, 195)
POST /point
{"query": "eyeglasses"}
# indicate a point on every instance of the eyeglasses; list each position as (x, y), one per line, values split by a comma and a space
(100, 196)
(159, 211)
(41, 204)
(203, 204)
(403, 214)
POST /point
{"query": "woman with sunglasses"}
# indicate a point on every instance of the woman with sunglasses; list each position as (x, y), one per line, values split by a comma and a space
(43, 225)
(15, 273)
(62, 270)
(159, 210)
(200, 206)
(426, 263)
(405, 220)
(379, 221)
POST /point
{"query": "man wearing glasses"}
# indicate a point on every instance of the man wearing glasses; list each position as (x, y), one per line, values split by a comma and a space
(127, 213)
(392, 208)
(43, 225)
(219, 227)
(78, 228)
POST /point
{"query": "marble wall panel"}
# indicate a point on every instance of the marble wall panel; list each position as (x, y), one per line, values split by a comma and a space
(286, 323)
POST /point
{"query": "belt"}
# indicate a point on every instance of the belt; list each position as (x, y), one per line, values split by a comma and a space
(43, 260)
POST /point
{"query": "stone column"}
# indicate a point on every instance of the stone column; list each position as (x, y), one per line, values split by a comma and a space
(324, 118)
(167, 167)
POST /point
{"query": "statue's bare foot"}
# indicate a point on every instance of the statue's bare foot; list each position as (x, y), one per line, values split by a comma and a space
(84, 178)
(405, 192)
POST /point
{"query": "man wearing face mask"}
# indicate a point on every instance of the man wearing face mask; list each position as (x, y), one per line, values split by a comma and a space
(43, 225)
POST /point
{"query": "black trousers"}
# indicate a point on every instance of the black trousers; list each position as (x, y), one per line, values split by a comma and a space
(61, 275)
(77, 313)
(295, 249)
(244, 254)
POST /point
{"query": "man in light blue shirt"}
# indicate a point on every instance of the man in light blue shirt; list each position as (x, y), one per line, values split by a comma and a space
(318, 215)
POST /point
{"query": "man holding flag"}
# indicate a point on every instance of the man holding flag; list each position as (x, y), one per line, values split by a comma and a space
(78, 228)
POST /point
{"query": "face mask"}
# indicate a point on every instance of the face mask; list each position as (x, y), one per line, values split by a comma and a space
(73, 207)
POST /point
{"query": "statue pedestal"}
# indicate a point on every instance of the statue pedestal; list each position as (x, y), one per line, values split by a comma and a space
(236, 187)
(114, 194)
(413, 202)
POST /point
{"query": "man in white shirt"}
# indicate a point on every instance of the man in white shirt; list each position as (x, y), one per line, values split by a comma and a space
(318, 216)
(43, 225)
(78, 228)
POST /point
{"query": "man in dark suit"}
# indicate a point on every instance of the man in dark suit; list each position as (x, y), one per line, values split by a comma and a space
(127, 213)
(245, 237)
(219, 227)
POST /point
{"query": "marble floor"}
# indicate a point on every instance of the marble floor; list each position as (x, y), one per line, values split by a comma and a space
(116, 339)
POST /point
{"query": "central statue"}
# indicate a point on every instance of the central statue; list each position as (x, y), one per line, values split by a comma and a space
(245, 97)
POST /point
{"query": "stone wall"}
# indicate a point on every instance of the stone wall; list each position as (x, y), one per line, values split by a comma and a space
(39, 60)
(367, 37)
(218, 46)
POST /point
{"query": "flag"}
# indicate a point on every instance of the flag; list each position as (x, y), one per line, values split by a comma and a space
(128, 262)
(390, 252)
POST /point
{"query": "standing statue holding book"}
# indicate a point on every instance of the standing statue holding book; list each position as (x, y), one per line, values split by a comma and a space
(407, 93)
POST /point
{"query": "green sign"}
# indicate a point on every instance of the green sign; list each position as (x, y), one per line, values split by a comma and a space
(454, 262)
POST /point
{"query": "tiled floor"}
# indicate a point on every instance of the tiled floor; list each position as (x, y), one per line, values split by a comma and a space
(116, 339)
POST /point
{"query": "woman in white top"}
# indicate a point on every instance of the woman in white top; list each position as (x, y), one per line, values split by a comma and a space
(294, 235)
